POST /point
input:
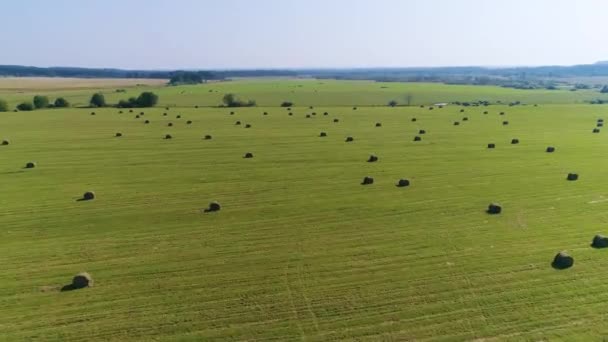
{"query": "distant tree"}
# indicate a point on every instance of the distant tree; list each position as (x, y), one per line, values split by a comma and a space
(41, 101)
(97, 100)
(25, 106)
(604, 89)
(3, 106)
(392, 103)
(287, 104)
(408, 99)
(229, 100)
(147, 99)
(60, 102)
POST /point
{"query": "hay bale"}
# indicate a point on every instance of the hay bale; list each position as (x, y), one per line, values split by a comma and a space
(213, 207)
(178, 117)
(92, 113)
(208, 137)
(170, 124)
(372, 159)
(596, 130)
(336, 120)
(81, 280)
(422, 131)
(485, 112)
(147, 121)
(247, 126)
(288, 108)
(600, 124)
(354, 108)
(322, 134)
(600, 120)
(350, 139)
(166, 108)
(403, 183)
(431, 108)
(504, 123)
(118, 134)
(231, 113)
(456, 123)
(465, 119)
(599, 241)
(189, 122)
(30, 165)
(137, 116)
(265, 113)
(378, 124)
(308, 116)
(421, 106)
(130, 110)
(196, 107)
(494, 209)
(572, 177)
(290, 114)
(120, 112)
(550, 149)
(417, 138)
(141, 113)
(314, 113)
(502, 113)
(367, 181)
(326, 113)
(164, 114)
(311, 107)
(414, 119)
(248, 155)
(562, 260)
(237, 123)
(462, 110)
(5, 142)
(514, 141)
(168, 136)
(89, 195)
(491, 145)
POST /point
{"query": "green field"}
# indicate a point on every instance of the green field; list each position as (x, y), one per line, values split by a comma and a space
(301, 250)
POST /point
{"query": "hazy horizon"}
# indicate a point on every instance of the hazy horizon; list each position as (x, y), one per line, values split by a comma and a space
(273, 34)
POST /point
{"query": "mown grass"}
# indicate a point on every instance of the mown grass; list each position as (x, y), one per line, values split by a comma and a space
(300, 250)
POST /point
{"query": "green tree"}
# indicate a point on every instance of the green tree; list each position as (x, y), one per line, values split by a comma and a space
(147, 99)
(41, 101)
(604, 89)
(25, 106)
(61, 103)
(229, 100)
(392, 103)
(98, 100)
(3, 106)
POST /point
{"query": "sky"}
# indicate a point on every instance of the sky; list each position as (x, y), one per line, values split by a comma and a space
(245, 34)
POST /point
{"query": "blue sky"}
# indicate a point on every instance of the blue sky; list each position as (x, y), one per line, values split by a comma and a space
(157, 34)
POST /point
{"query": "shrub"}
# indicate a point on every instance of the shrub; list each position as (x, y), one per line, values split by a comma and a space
(230, 100)
(25, 106)
(3, 106)
(61, 103)
(41, 101)
(98, 100)
(392, 103)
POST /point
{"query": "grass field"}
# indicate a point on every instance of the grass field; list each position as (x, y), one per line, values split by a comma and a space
(301, 250)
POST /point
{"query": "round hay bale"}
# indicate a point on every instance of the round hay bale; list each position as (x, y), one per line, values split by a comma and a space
(491, 145)
(421, 106)
(196, 106)
(367, 181)
(214, 206)
(322, 134)
(378, 124)
(92, 113)
(314, 113)
(120, 112)
(130, 110)
(599, 241)
(147, 121)
(164, 114)
(462, 110)
(326, 113)
(170, 124)
(494, 209)
(137, 116)
(456, 123)
(311, 107)
(414, 119)
(288, 108)
(178, 117)
(596, 130)
(350, 139)
(372, 159)
(237, 123)
(248, 155)
(265, 113)
(118, 134)
(208, 137)
(5, 142)
(504, 123)
(422, 131)
(502, 113)
(485, 112)
(290, 114)
(336, 120)
(550, 149)
(354, 108)
(417, 138)
(308, 116)
(600, 124)
(465, 119)
(82, 280)
(600, 120)
(403, 183)
(231, 113)
(30, 165)
(141, 113)
(431, 108)
(166, 108)
(514, 141)
(247, 126)
(168, 136)
(562, 260)
(189, 122)
(572, 177)
(89, 195)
